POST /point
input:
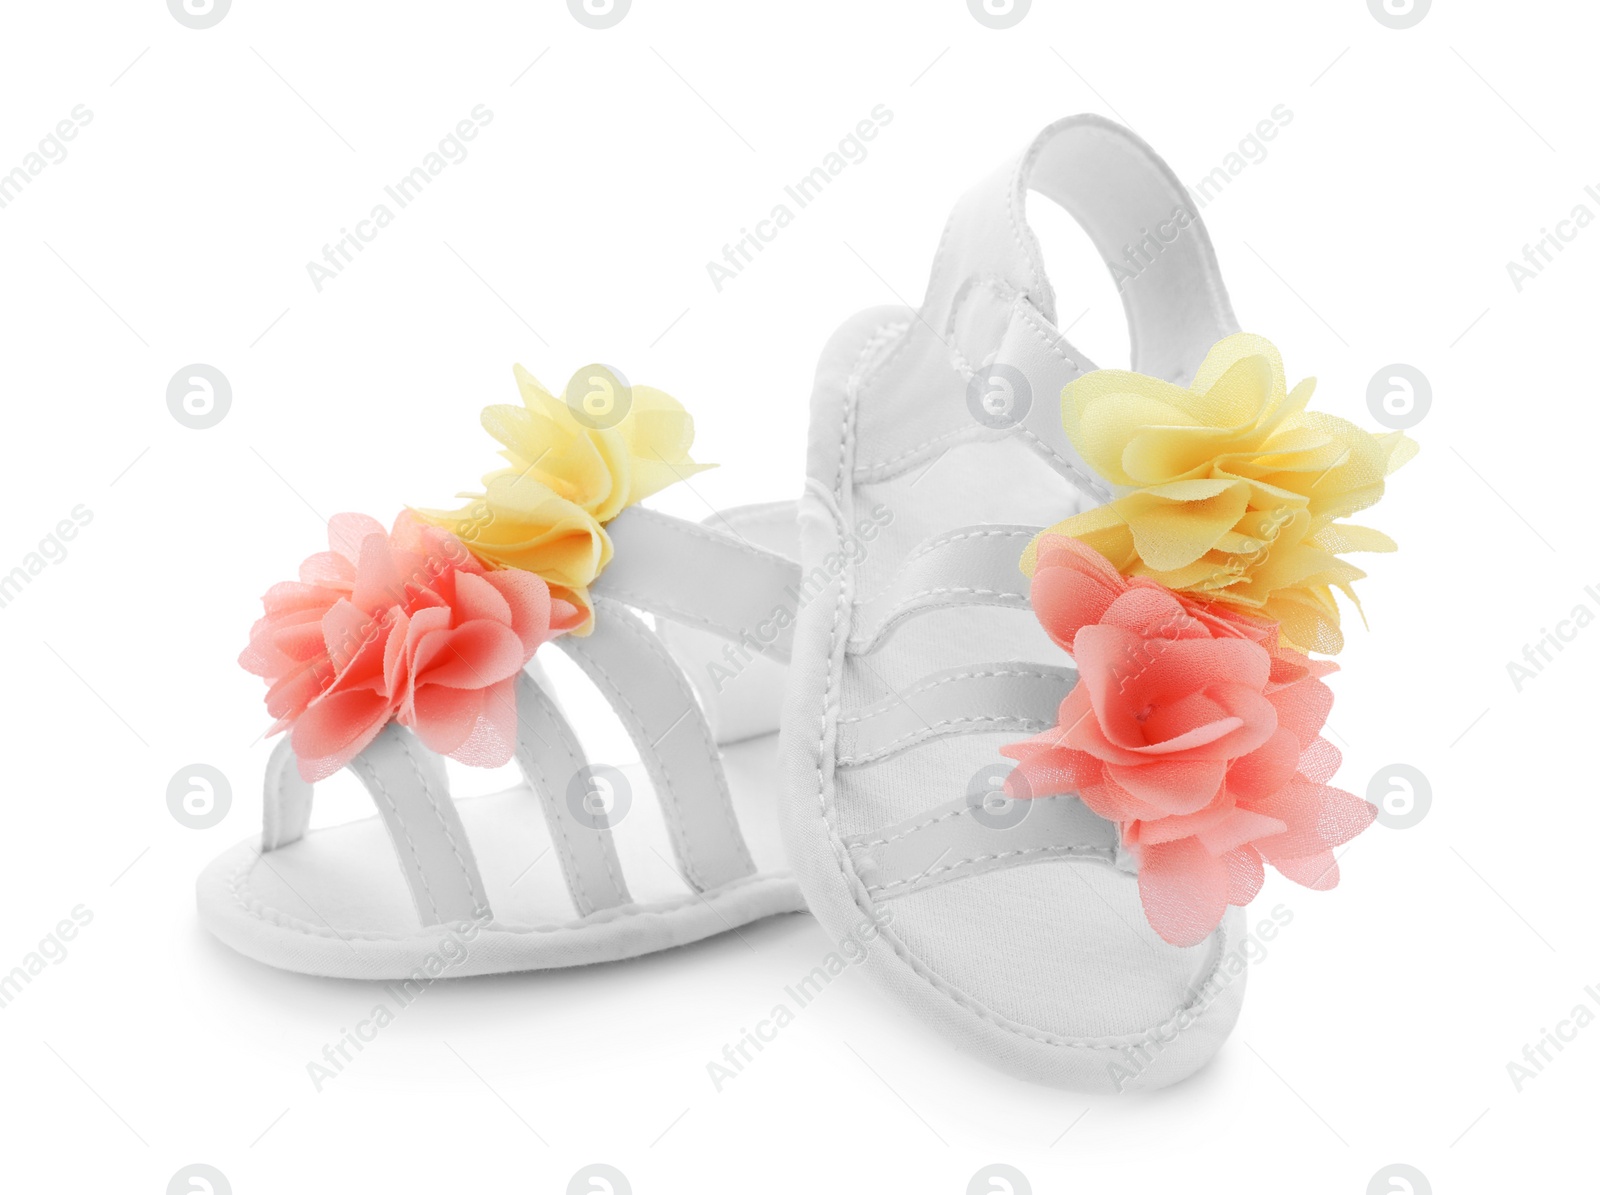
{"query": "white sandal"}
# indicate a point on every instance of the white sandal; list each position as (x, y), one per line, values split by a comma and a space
(1014, 927)
(434, 886)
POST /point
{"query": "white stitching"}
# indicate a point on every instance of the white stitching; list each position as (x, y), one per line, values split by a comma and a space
(1035, 320)
(872, 470)
(375, 783)
(908, 832)
(938, 729)
(1064, 852)
(1016, 190)
(668, 795)
(915, 603)
(865, 844)
(696, 715)
(529, 759)
(978, 532)
(474, 887)
(885, 704)
(674, 672)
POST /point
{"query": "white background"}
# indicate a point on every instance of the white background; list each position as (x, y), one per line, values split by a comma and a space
(177, 229)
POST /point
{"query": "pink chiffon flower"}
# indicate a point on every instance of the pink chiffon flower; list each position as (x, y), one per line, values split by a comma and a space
(405, 625)
(1195, 731)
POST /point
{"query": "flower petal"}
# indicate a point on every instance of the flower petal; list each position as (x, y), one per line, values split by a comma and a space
(335, 729)
(1245, 875)
(1184, 890)
(1173, 785)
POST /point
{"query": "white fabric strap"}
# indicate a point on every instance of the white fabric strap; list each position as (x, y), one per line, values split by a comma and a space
(554, 764)
(1138, 214)
(633, 670)
(285, 799)
(986, 340)
(408, 785)
(980, 832)
(702, 577)
(970, 566)
(741, 689)
(1015, 696)
(426, 829)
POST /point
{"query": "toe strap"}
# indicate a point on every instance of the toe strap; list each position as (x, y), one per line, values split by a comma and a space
(1016, 696)
(408, 785)
(982, 832)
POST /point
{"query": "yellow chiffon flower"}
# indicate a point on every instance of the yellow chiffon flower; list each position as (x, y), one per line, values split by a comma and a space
(568, 476)
(1230, 490)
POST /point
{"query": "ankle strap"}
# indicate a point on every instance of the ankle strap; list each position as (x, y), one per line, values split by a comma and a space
(1139, 216)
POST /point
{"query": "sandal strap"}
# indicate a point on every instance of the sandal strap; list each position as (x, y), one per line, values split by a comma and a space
(1123, 195)
(702, 577)
(970, 566)
(988, 339)
(556, 768)
(657, 706)
(408, 785)
(285, 800)
(982, 832)
(1015, 696)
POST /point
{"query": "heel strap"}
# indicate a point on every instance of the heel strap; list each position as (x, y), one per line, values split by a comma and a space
(1139, 216)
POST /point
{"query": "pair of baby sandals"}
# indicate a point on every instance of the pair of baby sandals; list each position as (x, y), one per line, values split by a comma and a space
(1020, 695)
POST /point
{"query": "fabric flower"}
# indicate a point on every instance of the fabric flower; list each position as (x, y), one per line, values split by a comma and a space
(404, 625)
(1193, 729)
(1230, 490)
(545, 514)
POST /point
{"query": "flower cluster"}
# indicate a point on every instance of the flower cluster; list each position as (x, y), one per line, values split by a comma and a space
(566, 478)
(430, 623)
(1230, 490)
(1188, 604)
